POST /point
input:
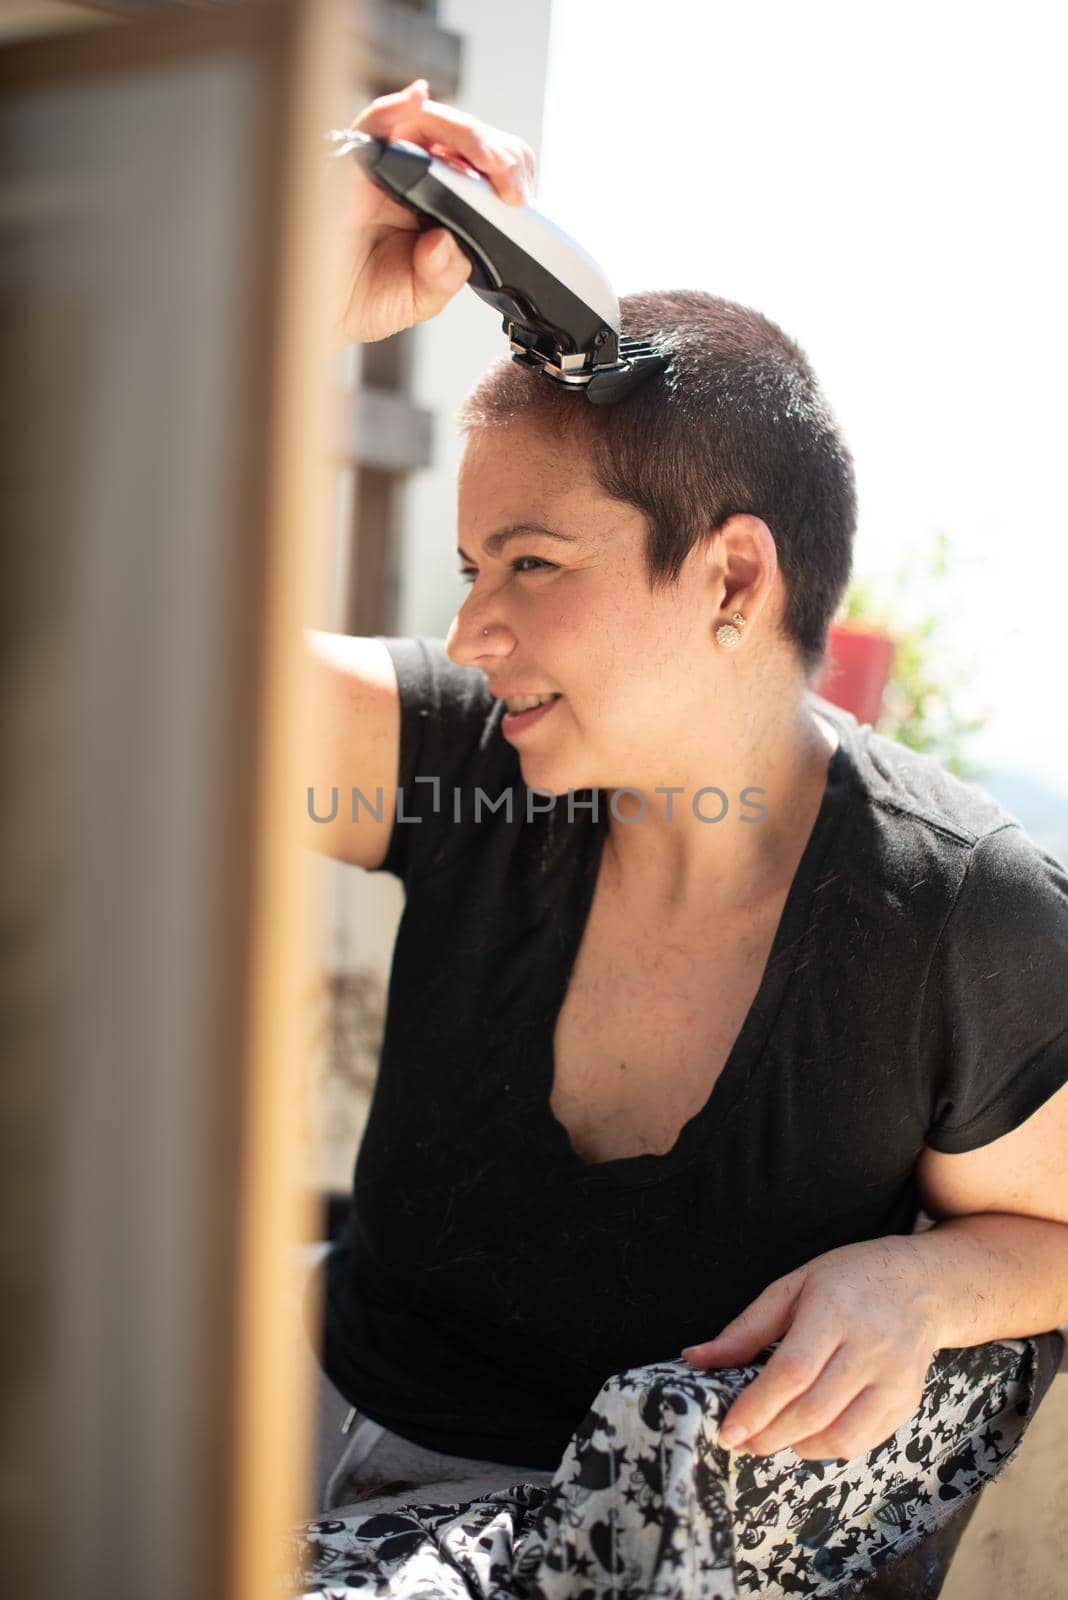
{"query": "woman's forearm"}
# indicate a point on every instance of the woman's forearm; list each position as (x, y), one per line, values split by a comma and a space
(995, 1276)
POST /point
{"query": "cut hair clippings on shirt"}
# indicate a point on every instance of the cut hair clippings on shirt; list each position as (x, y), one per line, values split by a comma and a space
(559, 310)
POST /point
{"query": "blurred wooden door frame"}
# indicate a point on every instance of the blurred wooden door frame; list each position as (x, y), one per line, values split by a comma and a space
(169, 506)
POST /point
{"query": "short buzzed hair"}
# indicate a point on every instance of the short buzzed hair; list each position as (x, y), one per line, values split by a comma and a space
(736, 423)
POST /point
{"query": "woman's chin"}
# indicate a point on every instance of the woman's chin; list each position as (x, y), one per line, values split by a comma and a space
(549, 776)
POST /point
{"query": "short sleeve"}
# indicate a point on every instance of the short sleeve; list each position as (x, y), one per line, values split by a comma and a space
(450, 744)
(999, 984)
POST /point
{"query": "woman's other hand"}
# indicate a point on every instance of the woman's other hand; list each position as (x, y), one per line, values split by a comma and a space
(858, 1330)
(395, 275)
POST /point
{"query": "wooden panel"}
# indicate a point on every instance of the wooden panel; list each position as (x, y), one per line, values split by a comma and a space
(160, 311)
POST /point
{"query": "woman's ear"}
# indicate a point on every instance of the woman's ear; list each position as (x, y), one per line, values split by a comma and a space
(748, 564)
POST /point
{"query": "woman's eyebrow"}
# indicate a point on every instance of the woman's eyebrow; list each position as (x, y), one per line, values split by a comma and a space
(495, 542)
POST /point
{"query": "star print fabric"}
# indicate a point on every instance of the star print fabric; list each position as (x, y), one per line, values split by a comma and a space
(647, 1505)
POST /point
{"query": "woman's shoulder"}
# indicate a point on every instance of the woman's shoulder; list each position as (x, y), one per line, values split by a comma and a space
(454, 762)
(450, 721)
(909, 789)
(943, 858)
(430, 681)
(941, 903)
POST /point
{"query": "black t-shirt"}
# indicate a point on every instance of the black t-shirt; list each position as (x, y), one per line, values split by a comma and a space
(489, 1279)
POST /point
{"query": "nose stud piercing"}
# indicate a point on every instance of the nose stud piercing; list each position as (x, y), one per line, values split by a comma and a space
(485, 633)
(728, 635)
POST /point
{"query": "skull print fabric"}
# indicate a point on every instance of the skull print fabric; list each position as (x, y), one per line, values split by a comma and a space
(647, 1505)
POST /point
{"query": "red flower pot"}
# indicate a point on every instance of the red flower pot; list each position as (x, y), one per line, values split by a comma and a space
(858, 668)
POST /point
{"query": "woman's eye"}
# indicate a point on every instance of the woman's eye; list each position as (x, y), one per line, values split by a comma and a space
(469, 574)
(537, 563)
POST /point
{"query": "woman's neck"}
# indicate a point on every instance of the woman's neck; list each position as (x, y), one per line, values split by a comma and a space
(773, 773)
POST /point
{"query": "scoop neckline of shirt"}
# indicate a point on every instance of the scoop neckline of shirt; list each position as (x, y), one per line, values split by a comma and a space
(750, 1046)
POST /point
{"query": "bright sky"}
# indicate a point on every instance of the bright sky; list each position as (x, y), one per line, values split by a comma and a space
(887, 182)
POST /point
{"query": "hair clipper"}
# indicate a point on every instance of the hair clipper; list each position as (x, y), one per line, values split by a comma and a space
(560, 312)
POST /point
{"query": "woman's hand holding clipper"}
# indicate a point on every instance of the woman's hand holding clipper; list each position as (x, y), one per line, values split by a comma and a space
(394, 274)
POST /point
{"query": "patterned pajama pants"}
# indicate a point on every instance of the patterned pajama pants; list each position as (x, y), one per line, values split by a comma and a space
(648, 1505)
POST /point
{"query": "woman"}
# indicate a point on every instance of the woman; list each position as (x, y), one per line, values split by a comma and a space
(701, 993)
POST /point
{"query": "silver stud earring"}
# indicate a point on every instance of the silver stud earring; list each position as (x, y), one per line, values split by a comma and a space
(728, 636)
(485, 633)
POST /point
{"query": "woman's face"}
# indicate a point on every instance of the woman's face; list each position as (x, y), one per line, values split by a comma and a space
(569, 612)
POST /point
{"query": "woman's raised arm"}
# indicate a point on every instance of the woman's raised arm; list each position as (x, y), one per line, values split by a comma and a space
(395, 275)
(354, 689)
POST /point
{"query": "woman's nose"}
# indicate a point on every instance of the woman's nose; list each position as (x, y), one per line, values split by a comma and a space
(478, 640)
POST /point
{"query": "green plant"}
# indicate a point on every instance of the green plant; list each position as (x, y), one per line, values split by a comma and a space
(923, 706)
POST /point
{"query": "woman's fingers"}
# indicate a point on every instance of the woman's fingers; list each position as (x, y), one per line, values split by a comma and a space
(394, 274)
(506, 160)
(494, 154)
(814, 1409)
(852, 1362)
(441, 268)
(863, 1426)
(789, 1374)
(764, 1320)
(381, 116)
(406, 279)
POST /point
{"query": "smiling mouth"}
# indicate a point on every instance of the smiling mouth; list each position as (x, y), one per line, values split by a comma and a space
(533, 709)
(527, 702)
